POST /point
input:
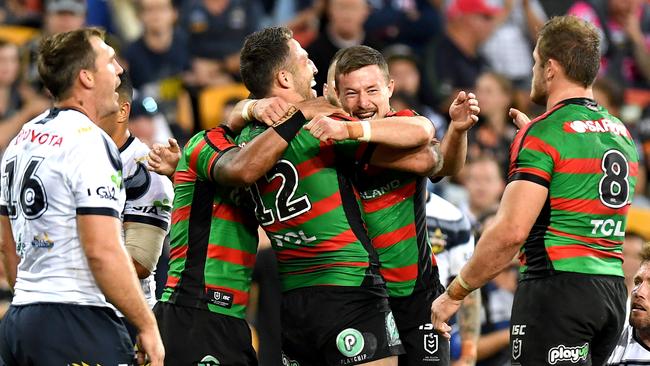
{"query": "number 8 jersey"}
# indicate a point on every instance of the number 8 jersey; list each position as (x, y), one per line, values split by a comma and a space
(60, 165)
(589, 163)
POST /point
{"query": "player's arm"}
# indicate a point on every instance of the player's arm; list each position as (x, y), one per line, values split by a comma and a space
(424, 160)
(8, 250)
(520, 206)
(144, 244)
(111, 267)
(464, 112)
(493, 342)
(469, 320)
(402, 132)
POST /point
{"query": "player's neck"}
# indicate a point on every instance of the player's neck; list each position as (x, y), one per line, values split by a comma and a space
(566, 90)
(643, 335)
(80, 105)
(121, 135)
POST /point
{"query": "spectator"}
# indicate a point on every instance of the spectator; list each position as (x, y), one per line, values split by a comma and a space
(343, 28)
(162, 51)
(157, 60)
(412, 22)
(624, 27)
(60, 16)
(494, 131)
(403, 66)
(509, 50)
(485, 185)
(216, 33)
(452, 60)
(18, 102)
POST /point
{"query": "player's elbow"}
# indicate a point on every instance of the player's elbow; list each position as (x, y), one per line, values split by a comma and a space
(140, 270)
(515, 236)
(426, 132)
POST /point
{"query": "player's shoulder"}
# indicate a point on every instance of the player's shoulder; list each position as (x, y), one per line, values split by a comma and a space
(402, 113)
(442, 209)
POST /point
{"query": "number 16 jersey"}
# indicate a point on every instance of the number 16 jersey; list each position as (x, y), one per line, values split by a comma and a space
(589, 163)
(59, 166)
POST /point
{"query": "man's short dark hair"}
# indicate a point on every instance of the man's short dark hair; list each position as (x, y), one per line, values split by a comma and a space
(574, 44)
(62, 56)
(263, 54)
(125, 90)
(357, 57)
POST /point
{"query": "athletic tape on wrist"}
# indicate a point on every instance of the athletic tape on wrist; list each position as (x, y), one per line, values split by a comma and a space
(367, 131)
(244, 112)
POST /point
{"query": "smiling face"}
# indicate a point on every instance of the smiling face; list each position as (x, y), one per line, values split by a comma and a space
(640, 305)
(365, 93)
(303, 70)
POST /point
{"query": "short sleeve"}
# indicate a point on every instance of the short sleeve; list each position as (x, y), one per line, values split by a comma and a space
(95, 175)
(204, 156)
(151, 205)
(532, 157)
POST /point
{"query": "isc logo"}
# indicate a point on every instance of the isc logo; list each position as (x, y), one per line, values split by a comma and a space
(518, 329)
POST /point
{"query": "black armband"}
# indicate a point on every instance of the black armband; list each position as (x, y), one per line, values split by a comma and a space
(290, 128)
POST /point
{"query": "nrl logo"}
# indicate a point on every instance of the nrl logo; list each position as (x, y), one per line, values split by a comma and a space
(431, 343)
(516, 348)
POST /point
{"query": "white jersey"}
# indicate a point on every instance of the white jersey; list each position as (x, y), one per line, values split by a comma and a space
(451, 237)
(149, 198)
(60, 165)
(629, 350)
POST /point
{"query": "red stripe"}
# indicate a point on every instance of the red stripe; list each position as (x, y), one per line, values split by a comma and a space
(515, 146)
(218, 137)
(178, 252)
(389, 199)
(588, 166)
(318, 208)
(305, 169)
(588, 240)
(171, 281)
(394, 237)
(328, 246)
(587, 206)
(195, 155)
(328, 265)
(537, 144)
(402, 274)
(239, 297)
(231, 255)
(184, 177)
(226, 212)
(577, 250)
(180, 214)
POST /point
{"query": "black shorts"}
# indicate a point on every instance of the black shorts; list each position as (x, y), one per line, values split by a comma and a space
(566, 319)
(337, 326)
(195, 336)
(64, 334)
(423, 344)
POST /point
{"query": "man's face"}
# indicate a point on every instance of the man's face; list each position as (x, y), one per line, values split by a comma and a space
(406, 76)
(364, 93)
(640, 303)
(484, 184)
(539, 89)
(303, 70)
(106, 77)
(346, 17)
(63, 21)
(9, 64)
(157, 15)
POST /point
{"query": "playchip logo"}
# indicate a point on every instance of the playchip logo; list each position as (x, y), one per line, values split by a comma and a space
(564, 353)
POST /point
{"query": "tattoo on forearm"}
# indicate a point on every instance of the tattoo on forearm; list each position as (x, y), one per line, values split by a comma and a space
(469, 319)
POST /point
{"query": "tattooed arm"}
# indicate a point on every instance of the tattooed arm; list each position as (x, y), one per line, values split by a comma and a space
(470, 328)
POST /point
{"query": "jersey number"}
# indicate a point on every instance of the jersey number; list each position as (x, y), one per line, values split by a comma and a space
(33, 199)
(286, 206)
(614, 186)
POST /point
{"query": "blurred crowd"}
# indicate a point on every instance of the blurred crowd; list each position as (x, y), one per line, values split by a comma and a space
(182, 56)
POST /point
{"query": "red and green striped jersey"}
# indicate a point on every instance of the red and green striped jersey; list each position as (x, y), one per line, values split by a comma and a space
(393, 204)
(308, 208)
(589, 163)
(213, 238)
